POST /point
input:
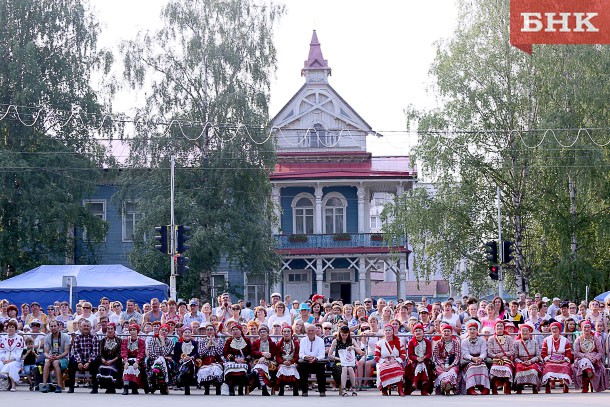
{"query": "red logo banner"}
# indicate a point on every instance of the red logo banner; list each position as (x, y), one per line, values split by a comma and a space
(559, 22)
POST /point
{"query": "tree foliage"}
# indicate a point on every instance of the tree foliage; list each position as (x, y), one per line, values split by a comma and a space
(489, 133)
(207, 68)
(48, 163)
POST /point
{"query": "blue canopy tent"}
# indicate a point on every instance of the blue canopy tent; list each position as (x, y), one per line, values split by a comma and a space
(602, 297)
(47, 284)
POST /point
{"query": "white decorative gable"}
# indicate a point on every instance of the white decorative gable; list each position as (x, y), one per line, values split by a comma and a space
(316, 118)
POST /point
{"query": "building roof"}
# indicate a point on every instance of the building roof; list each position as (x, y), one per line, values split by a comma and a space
(374, 167)
(315, 59)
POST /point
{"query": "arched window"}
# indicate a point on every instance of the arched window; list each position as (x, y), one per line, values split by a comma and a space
(334, 213)
(302, 214)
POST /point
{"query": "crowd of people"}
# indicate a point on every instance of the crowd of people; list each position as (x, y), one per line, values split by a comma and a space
(467, 346)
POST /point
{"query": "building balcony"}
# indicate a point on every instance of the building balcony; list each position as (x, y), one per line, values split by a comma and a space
(349, 243)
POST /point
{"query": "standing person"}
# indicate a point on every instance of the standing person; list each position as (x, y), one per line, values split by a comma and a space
(56, 351)
(554, 307)
(130, 314)
(513, 314)
(589, 369)
(155, 313)
(390, 356)
(133, 353)
(11, 348)
(110, 371)
(237, 352)
(36, 313)
(280, 315)
(275, 298)
(368, 306)
(448, 316)
(341, 373)
(287, 356)
(447, 355)
(172, 313)
(500, 350)
(419, 369)
(194, 314)
(474, 369)
(527, 360)
(557, 355)
(84, 355)
(311, 360)
(223, 311)
(381, 304)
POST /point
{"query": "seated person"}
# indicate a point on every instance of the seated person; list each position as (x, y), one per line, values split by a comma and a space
(56, 352)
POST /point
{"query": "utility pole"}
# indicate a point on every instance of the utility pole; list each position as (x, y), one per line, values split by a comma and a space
(500, 249)
(172, 274)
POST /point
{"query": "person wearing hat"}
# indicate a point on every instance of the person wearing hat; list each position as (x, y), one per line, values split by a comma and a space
(419, 369)
(36, 313)
(133, 354)
(237, 353)
(390, 356)
(446, 356)
(425, 320)
(305, 313)
(210, 351)
(263, 354)
(275, 298)
(287, 356)
(160, 351)
(474, 353)
(527, 360)
(185, 355)
(500, 350)
(589, 370)
(194, 314)
(557, 356)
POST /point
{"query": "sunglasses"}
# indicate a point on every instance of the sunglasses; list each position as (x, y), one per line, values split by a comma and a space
(327, 329)
(86, 307)
(368, 302)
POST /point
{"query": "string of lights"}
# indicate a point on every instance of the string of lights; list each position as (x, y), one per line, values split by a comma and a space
(295, 137)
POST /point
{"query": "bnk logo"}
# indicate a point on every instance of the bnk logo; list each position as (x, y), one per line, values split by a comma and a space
(559, 22)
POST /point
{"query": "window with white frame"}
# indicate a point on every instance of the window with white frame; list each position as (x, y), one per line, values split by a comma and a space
(97, 207)
(298, 277)
(129, 220)
(317, 136)
(302, 210)
(255, 293)
(375, 223)
(334, 214)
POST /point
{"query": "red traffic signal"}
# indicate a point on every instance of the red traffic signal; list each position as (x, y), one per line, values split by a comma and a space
(494, 272)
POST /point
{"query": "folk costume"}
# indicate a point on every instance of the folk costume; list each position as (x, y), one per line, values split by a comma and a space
(475, 375)
(557, 355)
(588, 367)
(11, 348)
(210, 351)
(236, 372)
(264, 368)
(500, 351)
(390, 357)
(419, 375)
(527, 361)
(185, 355)
(133, 354)
(110, 371)
(287, 356)
(447, 355)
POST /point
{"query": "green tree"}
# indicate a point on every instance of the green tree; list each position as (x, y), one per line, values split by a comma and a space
(208, 72)
(501, 100)
(49, 157)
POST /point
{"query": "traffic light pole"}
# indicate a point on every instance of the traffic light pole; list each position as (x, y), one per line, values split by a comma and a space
(500, 249)
(172, 274)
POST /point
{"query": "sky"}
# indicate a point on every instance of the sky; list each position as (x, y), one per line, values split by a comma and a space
(380, 53)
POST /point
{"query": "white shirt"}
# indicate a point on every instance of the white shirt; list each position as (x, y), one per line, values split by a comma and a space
(312, 348)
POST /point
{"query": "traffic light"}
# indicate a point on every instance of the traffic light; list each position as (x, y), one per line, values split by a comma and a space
(183, 267)
(182, 237)
(163, 247)
(508, 249)
(492, 252)
(493, 273)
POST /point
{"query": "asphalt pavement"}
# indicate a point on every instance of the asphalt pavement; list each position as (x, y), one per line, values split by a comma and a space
(82, 397)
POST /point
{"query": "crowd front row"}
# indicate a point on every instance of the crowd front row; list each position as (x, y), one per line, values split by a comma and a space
(444, 365)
